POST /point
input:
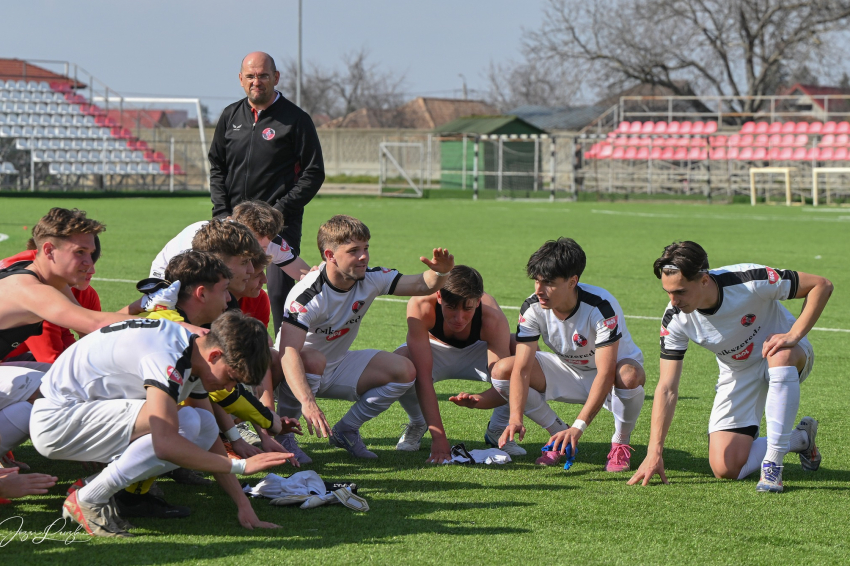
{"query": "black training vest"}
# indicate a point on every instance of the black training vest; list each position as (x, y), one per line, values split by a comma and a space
(11, 338)
(474, 333)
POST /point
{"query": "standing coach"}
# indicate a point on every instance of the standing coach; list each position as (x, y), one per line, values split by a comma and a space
(266, 148)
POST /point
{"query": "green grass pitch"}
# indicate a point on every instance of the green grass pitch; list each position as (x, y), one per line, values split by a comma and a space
(517, 513)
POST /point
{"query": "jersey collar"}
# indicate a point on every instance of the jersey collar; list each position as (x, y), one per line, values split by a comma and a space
(709, 312)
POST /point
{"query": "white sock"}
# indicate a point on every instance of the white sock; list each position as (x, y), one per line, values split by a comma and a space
(410, 403)
(755, 458)
(625, 406)
(536, 407)
(287, 404)
(373, 403)
(139, 461)
(14, 425)
(783, 401)
(500, 418)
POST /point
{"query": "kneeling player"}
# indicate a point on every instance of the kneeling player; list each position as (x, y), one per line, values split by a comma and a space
(595, 362)
(763, 354)
(113, 397)
(459, 332)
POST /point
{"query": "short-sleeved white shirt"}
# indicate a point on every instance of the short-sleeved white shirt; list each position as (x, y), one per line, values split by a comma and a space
(331, 316)
(596, 322)
(278, 248)
(748, 311)
(121, 360)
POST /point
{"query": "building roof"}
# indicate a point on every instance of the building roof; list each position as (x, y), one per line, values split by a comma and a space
(131, 119)
(422, 113)
(19, 69)
(488, 125)
(568, 118)
(818, 94)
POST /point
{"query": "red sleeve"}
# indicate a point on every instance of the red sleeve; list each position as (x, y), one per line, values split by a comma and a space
(259, 308)
(47, 346)
(26, 255)
(88, 299)
(21, 349)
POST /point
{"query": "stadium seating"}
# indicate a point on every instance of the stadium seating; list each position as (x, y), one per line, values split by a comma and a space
(74, 137)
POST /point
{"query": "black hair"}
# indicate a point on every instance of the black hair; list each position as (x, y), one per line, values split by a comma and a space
(556, 258)
(686, 257)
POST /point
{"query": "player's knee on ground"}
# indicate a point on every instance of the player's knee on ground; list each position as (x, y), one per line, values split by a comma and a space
(502, 369)
(727, 456)
(629, 375)
(314, 361)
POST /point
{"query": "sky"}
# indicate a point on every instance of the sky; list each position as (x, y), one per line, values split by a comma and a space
(193, 48)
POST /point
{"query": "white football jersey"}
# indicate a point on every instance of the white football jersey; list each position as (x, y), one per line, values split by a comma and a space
(748, 311)
(121, 360)
(330, 316)
(278, 248)
(596, 322)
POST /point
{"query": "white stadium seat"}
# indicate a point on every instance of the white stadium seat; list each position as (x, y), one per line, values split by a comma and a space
(7, 168)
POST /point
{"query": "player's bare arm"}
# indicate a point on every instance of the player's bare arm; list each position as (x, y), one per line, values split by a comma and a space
(297, 268)
(606, 372)
(431, 280)
(520, 380)
(495, 330)
(663, 408)
(291, 342)
(816, 291)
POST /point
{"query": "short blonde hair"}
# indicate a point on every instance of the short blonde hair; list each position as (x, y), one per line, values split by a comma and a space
(61, 224)
(339, 230)
(226, 238)
(260, 217)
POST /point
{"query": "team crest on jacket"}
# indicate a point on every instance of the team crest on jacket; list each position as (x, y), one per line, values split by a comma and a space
(174, 375)
(296, 307)
(610, 323)
(284, 246)
(337, 333)
(664, 332)
(579, 340)
(268, 134)
(521, 319)
(357, 305)
(772, 276)
(743, 354)
(748, 319)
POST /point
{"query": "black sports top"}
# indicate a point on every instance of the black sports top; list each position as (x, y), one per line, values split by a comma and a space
(11, 338)
(474, 333)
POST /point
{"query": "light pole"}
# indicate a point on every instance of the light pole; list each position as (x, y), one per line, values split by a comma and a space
(464, 84)
(298, 82)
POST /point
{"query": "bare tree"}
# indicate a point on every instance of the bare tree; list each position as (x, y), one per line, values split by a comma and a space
(532, 81)
(723, 47)
(317, 96)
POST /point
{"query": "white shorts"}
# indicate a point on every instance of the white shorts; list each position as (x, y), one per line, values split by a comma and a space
(741, 395)
(96, 431)
(19, 380)
(566, 384)
(468, 363)
(340, 381)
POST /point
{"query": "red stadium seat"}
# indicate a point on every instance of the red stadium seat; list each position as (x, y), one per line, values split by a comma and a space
(774, 153)
(812, 154)
(685, 127)
(668, 153)
(746, 154)
(657, 152)
(632, 140)
(673, 127)
(759, 154)
(693, 154)
(647, 127)
(642, 153)
(631, 153)
(159, 157)
(786, 153)
(635, 127)
(799, 154)
(826, 154)
(827, 141)
(681, 154)
(710, 128)
(618, 152)
(660, 128)
(815, 128)
(843, 128)
(842, 139)
(801, 128)
(734, 140)
(749, 128)
(621, 140)
(682, 142)
(762, 140)
(149, 156)
(775, 140)
(604, 153)
(787, 140)
(732, 153)
(717, 141)
(788, 127)
(840, 154)
(761, 127)
(698, 127)
(746, 140)
(623, 127)
(775, 128)
(829, 128)
(800, 140)
(717, 154)
(697, 142)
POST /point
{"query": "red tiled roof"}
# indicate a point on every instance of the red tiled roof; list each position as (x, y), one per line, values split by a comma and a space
(131, 119)
(420, 113)
(818, 91)
(18, 69)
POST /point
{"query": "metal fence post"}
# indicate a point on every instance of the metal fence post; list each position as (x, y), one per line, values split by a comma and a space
(536, 158)
(32, 165)
(429, 161)
(475, 170)
(463, 165)
(171, 167)
(552, 170)
(499, 177)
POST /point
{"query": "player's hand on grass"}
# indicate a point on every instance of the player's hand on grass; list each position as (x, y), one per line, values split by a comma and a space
(568, 437)
(777, 342)
(467, 400)
(269, 444)
(265, 460)
(249, 520)
(13, 484)
(316, 420)
(441, 453)
(442, 262)
(650, 466)
(511, 431)
(243, 449)
(290, 425)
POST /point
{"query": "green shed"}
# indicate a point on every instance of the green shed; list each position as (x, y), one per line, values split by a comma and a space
(512, 138)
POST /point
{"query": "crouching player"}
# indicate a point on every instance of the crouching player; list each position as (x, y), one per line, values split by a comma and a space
(763, 354)
(595, 362)
(459, 332)
(113, 397)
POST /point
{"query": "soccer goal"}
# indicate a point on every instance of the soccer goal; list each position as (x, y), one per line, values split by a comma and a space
(402, 169)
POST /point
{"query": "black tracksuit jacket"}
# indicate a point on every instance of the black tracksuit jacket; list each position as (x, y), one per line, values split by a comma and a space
(278, 159)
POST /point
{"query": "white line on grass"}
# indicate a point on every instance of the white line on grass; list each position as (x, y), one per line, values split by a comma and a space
(507, 307)
(723, 216)
(4, 237)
